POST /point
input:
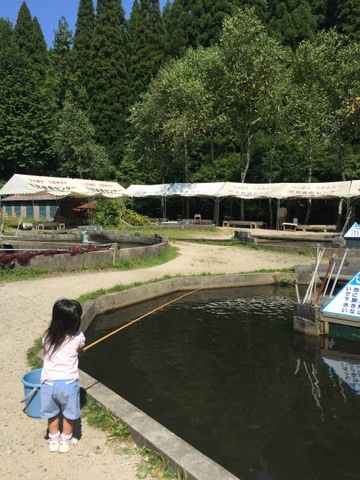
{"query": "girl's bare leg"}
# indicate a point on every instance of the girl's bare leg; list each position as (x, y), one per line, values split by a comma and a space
(53, 424)
(67, 426)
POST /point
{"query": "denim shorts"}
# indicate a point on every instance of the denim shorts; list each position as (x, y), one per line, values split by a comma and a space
(60, 396)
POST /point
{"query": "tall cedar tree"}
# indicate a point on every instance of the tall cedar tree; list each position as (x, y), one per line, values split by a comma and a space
(25, 113)
(292, 21)
(30, 39)
(147, 44)
(193, 23)
(6, 33)
(25, 116)
(109, 85)
(210, 15)
(176, 29)
(83, 41)
(61, 62)
(348, 18)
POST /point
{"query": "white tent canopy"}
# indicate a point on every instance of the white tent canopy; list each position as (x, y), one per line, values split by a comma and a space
(249, 191)
(57, 186)
(355, 188)
(143, 191)
(195, 189)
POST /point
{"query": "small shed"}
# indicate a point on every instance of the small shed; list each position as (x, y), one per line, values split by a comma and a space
(42, 206)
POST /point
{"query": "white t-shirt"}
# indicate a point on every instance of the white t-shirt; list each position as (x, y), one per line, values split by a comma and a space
(63, 363)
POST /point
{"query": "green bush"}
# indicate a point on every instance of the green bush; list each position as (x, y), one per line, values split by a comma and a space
(113, 212)
(134, 218)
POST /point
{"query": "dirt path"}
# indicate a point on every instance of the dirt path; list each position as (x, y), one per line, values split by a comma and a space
(25, 313)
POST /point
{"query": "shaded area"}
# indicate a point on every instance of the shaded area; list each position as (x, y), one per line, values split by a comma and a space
(225, 371)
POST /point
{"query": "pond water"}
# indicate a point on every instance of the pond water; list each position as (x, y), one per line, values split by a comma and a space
(224, 370)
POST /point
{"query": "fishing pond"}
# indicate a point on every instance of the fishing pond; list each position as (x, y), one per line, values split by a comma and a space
(224, 370)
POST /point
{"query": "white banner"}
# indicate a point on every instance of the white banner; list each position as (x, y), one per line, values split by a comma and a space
(57, 186)
(249, 191)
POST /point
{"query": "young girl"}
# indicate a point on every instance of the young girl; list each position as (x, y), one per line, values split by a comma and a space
(60, 390)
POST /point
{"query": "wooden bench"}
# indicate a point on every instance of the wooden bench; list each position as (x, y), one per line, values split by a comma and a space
(308, 228)
(244, 223)
(289, 226)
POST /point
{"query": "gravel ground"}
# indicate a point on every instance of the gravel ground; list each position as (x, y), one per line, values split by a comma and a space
(25, 313)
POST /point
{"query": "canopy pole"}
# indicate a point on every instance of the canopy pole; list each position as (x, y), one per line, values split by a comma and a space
(278, 215)
(2, 218)
(271, 220)
(163, 201)
(217, 211)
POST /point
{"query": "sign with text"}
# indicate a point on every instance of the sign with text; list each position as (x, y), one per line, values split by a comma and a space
(347, 301)
(353, 232)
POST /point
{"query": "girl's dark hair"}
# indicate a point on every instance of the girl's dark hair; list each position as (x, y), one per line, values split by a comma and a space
(66, 318)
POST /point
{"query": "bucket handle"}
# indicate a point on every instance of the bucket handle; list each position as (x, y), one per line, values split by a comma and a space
(32, 392)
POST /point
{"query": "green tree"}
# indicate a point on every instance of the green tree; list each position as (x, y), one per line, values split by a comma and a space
(24, 30)
(6, 33)
(176, 31)
(146, 44)
(176, 123)
(109, 85)
(192, 23)
(25, 121)
(74, 143)
(253, 64)
(292, 21)
(348, 18)
(29, 38)
(83, 38)
(61, 62)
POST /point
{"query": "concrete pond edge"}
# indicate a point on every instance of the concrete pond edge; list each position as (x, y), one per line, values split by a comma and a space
(188, 462)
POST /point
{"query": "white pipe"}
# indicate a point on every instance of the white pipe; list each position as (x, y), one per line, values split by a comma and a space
(330, 274)
(310, 286)
(313, 278)
(338, 272)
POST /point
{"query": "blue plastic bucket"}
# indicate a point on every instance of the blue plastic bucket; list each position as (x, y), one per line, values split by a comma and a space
(32, 385)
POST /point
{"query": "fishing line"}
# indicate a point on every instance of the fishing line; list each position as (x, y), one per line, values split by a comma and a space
(138, 319)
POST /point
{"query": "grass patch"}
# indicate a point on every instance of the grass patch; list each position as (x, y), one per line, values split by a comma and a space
(232, 242)
(173, 233)
(32, 356)
(170, 253)
(7, 275)
(102, 418)
(155, 466)
(272, 270)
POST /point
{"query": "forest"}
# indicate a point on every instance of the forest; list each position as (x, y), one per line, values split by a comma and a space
(204, 90)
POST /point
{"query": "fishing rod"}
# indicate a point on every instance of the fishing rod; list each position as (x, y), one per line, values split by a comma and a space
(87, 347)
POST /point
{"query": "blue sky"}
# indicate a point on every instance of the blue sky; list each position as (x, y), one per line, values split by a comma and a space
(49, 12)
